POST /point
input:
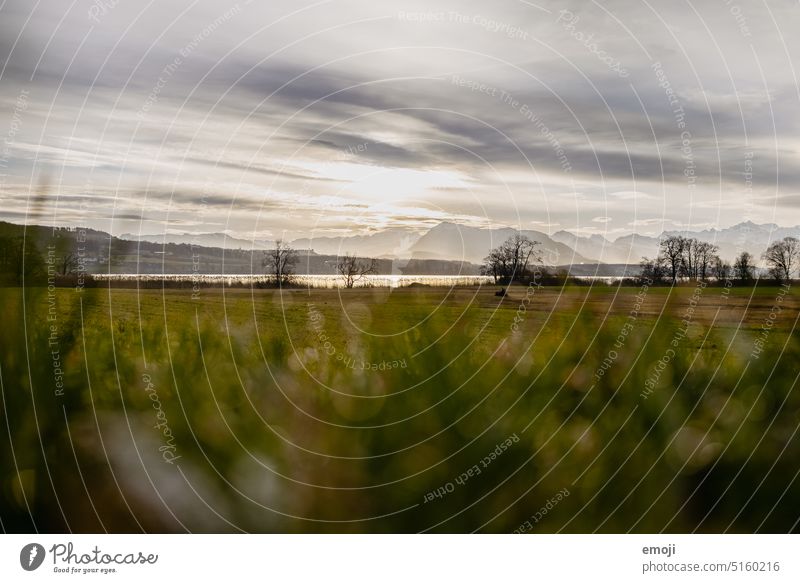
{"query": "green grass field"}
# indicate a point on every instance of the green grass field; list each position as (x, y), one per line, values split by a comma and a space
(415, 409)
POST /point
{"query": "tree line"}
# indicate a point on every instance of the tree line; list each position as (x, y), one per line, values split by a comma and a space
(687, 258)
(679, 258)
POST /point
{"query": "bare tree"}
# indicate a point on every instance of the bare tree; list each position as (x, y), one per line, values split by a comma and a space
(67, 263)
(688, 258)
(721, 269)
(280, 261)
(704, 254)
(653, 270)
(510, 260)
(518, 249)
(743, 268)
(672, 250)
(353, 269)
(696, 257)
(494, 265)
(782, 258)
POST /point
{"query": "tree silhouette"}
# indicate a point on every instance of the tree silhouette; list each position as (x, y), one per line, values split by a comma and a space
(280, 261)
(353, 269)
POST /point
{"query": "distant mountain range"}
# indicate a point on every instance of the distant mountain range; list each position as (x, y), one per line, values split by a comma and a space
(220, 240)
(444, 242)
(746, 236)
(451, 242)
(391, 244)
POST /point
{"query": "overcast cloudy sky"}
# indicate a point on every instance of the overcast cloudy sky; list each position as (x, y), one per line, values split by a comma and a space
(282, 118)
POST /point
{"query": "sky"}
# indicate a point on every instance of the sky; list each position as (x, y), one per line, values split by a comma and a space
(288, 119)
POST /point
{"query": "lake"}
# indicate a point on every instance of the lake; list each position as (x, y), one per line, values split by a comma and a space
(313, 281)
(186, 280)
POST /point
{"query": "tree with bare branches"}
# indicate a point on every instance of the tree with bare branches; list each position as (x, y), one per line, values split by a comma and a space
(688, 266)
(510, 260)
(721, 269)
(672, 249)
(743, 267)
(519, 249)
(704, 255)
(67, 263)
(353, 269)
(782, 258)
(652, 270)
(494, 265)
(280, 261)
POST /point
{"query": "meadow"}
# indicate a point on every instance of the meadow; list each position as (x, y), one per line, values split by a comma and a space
(552, 409)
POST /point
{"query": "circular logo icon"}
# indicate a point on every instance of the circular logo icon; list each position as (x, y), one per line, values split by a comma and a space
(31, 556)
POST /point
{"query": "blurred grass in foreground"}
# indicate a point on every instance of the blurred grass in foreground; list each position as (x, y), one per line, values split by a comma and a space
(249, 411)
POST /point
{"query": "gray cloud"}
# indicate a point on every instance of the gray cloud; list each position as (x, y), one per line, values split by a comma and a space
(300, 106)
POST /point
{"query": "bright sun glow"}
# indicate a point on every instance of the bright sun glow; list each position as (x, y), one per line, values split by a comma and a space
(380, 183)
